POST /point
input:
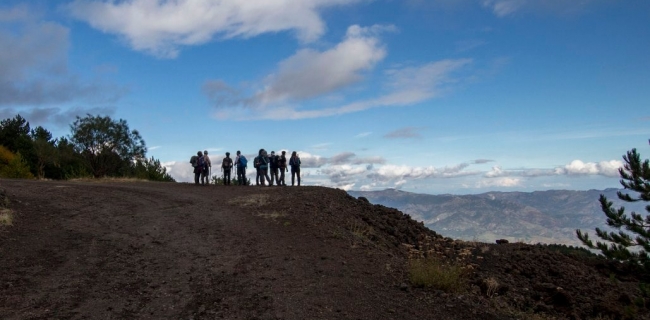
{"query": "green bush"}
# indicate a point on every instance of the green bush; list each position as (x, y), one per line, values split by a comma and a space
(13, 166)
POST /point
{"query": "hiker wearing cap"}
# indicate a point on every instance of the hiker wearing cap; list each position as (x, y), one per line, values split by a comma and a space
(294, 162)
(226, 166)
(282, 165)
(205, 176)
(273, 164)
(241, 163)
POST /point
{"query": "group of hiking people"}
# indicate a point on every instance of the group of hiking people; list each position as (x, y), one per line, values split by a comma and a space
(263, 163)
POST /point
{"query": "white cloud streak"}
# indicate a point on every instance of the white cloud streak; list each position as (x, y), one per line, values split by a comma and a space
(161, 27)
(404, 133)
(504, 8)
(277, 101)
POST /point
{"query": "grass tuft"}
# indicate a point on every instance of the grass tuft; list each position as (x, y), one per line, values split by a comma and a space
(432, 273)
(272, 215)
(6, 218)
(254, 200)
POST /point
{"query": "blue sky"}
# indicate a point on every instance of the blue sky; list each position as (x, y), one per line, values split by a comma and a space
(435, 96)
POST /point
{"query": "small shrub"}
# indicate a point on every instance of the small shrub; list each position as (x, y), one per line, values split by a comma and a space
(491, 286)
(6, 218)
(432, 273)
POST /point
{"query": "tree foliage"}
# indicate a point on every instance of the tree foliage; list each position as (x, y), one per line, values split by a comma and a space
(15, 136)
(621, 246)
(12, 165)
(108, 146)
(98, 146)
(151, 169)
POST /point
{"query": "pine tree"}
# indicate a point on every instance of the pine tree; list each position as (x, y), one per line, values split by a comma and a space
(620, 246)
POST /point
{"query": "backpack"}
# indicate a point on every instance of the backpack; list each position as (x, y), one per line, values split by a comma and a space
(256, 162)
(274, 161)
(193, 161)
(264, 161)
(226, 163)
(201, 163)
(242, 161)
(294, 161)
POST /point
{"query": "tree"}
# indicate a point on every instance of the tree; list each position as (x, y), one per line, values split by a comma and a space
(151, 169)
(12, 165)
(108, 146)
(635, 176)
(69, 163)
(14, 135)
(44, 151)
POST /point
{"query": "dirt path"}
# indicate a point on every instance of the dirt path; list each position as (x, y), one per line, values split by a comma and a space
(82, 250)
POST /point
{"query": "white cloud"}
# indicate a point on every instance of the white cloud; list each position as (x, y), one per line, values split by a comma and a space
(305, 75)
(499, 182)
(404, 86)
(495, 172)
(347, 187)
(605, 168)
(161, 27)
(406, 172)
(181, 171)
(363, 135)
(351, 158)
(576, 167)
(309, 160)
(367, 187)
(310, 73)
(342, 158)
(503, 8)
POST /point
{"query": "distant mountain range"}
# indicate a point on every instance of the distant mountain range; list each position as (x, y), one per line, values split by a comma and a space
(530, 217)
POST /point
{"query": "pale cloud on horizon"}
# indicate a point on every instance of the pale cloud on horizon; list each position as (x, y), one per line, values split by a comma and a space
(347, 171)
(161, 28)
(499, 182)
(575, 168)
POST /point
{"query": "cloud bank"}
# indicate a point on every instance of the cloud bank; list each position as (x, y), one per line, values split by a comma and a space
(348, 171)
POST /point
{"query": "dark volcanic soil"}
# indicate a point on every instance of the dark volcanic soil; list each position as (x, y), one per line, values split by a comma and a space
(81, 250)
